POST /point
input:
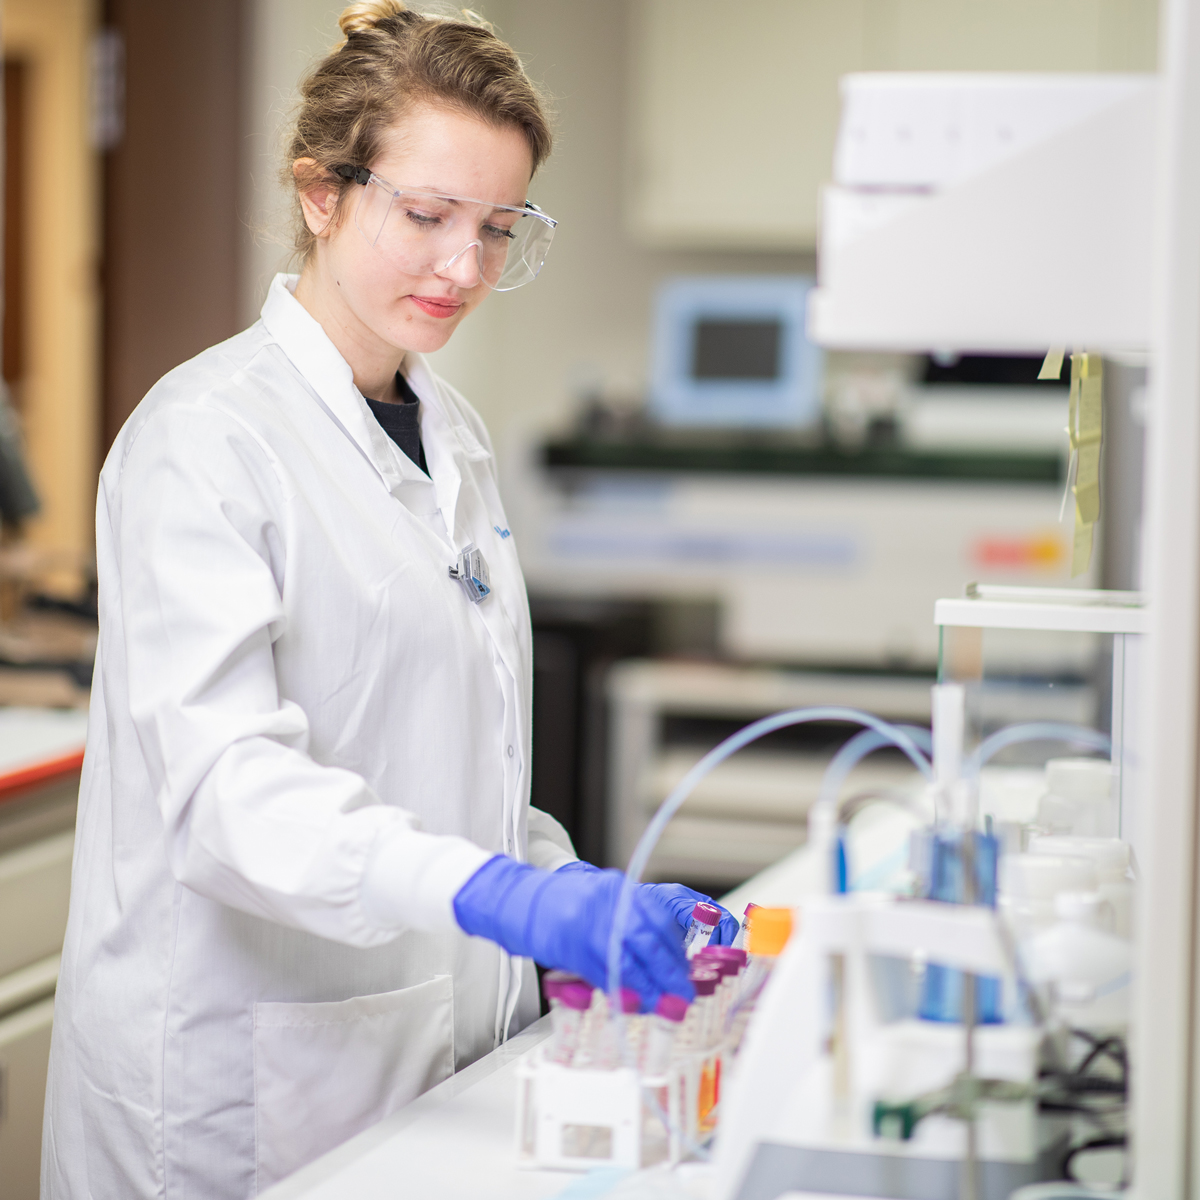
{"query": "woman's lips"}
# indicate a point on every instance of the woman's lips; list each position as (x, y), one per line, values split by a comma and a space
(436, 308)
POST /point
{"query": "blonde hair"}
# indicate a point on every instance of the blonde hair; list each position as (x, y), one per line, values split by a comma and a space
(392, 59)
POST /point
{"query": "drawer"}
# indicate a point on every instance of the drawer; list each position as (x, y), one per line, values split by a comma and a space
(24, 1056)
(35, 888)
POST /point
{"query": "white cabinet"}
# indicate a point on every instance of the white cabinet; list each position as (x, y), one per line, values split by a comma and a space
(734, 108)
(35, 889)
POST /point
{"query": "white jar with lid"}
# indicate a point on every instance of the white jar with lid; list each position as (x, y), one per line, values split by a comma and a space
(1030, 884)
(1079, 798)
(1085, 969)
(1111, 858)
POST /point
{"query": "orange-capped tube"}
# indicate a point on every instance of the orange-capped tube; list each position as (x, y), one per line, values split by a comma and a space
(769, 932)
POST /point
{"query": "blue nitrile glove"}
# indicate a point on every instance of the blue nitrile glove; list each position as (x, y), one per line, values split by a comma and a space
(563, 919)
(680, 900)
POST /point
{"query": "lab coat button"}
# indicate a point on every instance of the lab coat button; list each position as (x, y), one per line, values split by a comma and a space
(510, 751)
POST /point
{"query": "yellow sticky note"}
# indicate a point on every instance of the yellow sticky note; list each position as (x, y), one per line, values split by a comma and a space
(1052, 363)
(1087, 501)
(1073, 401)
(1081, 550)
(1090, 412)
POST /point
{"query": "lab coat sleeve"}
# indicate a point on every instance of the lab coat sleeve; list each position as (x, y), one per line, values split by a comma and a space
(198, 535)
(549, 843)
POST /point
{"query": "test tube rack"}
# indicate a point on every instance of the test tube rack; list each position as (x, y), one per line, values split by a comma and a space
(578, 1118)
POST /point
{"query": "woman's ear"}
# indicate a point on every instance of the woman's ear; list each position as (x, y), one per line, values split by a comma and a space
(318, 197)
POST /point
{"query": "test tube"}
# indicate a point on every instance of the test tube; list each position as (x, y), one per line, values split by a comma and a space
(739, 942)
(635, 1025)
(705, 980)
(688, 1038)
(568, 1007)
(729, 964)
(768, 936)
(705, 918)
(552, 982)
(662, 1029)
(599, 1047)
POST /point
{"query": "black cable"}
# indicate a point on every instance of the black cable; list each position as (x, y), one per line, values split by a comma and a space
(1112, 1047)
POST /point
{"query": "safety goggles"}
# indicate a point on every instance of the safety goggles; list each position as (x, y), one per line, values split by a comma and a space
(427, 233)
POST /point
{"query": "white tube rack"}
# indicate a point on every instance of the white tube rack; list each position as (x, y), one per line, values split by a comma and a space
(578, 1118)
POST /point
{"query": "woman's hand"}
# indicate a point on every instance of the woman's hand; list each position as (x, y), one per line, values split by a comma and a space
(680, 900)
(563, 919)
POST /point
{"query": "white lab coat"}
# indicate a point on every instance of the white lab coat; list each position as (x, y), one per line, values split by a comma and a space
(289, 687)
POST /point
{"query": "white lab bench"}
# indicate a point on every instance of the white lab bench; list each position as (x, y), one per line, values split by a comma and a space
(456, 1141)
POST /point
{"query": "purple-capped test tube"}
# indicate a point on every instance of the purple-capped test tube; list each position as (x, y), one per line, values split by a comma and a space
(662, 1030)
(705, 918)
(566, 1020)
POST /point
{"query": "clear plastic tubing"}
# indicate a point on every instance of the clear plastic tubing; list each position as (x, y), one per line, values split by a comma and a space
(705, 918)
(856, 749)
(1034, 731)
(662, 1029)
(567, 1011)
(683, 789)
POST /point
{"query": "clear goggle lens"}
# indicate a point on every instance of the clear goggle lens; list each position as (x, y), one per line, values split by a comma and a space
(429, 233)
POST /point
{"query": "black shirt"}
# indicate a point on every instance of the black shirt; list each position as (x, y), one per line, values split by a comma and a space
(401, 422)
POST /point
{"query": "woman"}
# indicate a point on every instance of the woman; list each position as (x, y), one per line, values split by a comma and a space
(307, 876)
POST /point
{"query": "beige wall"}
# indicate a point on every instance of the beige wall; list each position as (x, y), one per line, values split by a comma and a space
(61, 393)
(286, 36)
(586, 320)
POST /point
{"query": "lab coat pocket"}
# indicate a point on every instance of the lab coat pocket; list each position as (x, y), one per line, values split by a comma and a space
(324, 1072)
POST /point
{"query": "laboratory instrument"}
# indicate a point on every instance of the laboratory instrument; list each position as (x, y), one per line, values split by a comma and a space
(957, 1046)
(732, 351)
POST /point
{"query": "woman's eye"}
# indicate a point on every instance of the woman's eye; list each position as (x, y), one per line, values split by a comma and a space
(498, 232)
(422, 219)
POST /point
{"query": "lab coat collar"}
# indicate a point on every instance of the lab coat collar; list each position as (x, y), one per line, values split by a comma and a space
(447, 439)
(439, 437)
(307, 345)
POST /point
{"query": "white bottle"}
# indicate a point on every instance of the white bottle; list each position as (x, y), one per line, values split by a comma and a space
(1030, 883)
(1111, 858)
(1085, 969)
(1079, 798)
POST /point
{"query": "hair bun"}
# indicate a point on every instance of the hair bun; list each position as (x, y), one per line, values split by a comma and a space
(361, 17)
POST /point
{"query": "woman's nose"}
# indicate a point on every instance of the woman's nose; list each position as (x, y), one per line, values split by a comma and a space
(466, 267)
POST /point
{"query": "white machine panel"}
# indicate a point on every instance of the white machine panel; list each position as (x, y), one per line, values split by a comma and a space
(984, 213)
(930, 130)
(816, 569)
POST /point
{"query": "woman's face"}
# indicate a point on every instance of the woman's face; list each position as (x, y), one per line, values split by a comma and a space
(434, 150)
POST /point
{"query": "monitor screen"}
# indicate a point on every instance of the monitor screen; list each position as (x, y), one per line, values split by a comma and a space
(729, 348)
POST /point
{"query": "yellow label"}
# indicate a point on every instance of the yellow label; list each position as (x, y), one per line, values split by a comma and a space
(1081, 552)
(1052, 363)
